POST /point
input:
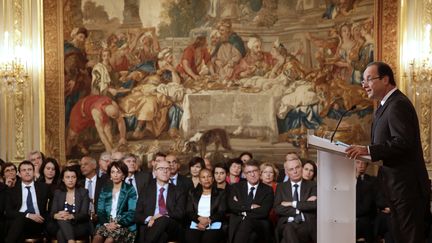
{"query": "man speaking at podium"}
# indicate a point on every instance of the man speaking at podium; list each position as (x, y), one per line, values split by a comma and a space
(396, 141)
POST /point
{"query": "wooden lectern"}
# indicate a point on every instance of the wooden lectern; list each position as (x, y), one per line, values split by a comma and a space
(336, 192)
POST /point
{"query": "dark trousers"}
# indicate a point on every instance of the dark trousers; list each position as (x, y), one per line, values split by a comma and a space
(246, 228)
(408, 220)
(20, 228)
(364, 228)
(296, 232)
(163, 230)
(68, 231)
(383, 227)
(206, 236)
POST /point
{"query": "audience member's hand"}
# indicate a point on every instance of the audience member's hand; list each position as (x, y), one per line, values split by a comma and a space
(36, 217)
(153, 219)
(386, 210)
(112, 226)
(235, 199)
(286, 204)
(10, 181)
(62, 215)
(201, 227)
(253, 206)
(312, 198)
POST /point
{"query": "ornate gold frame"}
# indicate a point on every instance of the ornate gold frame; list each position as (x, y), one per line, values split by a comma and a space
(386, 35)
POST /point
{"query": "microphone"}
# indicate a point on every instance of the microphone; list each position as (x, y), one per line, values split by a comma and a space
(340, 119)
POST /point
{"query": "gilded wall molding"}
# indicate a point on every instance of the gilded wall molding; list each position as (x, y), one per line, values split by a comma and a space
(387, 16)
(54, 120)
(17, 8)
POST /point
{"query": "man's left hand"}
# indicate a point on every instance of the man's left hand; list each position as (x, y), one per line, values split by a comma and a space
(355, 151)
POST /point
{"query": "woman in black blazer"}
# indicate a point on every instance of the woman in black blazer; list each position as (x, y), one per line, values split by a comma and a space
(206, 209)
(70, 208)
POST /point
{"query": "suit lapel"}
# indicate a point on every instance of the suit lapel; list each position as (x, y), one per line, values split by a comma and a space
(170, 200)
(152, 196)
(39, 197)
(213, 200)
(122, 196)
(379, 112)
(289, 190)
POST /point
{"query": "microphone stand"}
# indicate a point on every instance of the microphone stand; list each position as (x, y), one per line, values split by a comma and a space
(340, 119)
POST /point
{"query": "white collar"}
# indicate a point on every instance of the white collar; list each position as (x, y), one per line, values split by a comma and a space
(93, 179)
(382, 102)
(298, 183)
(30, 185)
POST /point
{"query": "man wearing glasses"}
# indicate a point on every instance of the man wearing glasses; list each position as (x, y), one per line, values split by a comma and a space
(396, 141)
(250, 203)
(160, 208)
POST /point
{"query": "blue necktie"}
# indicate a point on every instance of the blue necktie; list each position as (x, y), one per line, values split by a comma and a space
(29, 201)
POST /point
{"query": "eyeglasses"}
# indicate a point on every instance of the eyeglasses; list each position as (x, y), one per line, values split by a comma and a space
(251, 172)
(163, 168)
(369, 80)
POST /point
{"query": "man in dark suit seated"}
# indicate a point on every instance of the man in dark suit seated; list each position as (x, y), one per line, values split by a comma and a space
(182, 182)
(295, 204)
(250, 203)
(138, 179)
(160, 208)
(365, 203)
(93, 184)
(26, 207)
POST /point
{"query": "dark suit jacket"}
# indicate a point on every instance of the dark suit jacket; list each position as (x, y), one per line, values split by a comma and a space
(142, 179)
(175, 203)
(3, 191)
(263, 197)
(366, 196)
(100, 182)
(396, 141)
(125, 206)
(14, 200)
(308, 208)
(217, 204)
(184, 183)
(82, 202)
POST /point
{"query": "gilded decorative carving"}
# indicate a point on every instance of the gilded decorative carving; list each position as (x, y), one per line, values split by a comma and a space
(387, 34)
(18, 96)
(54, 121)
(19, 125)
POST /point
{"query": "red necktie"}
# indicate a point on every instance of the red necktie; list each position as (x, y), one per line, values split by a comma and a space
(161, 202)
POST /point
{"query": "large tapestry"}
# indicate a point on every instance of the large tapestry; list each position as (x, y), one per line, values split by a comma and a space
(178, 75)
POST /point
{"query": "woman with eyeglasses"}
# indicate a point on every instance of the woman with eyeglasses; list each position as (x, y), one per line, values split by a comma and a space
(70, 208)
(206, 211)
(116, 208)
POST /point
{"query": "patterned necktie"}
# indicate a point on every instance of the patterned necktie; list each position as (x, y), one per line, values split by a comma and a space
(161, 202)
(250, 197)
(29, 201)
(90, 192)
(297, 217)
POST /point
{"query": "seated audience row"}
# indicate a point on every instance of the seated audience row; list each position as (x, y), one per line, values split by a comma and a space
(113, 201)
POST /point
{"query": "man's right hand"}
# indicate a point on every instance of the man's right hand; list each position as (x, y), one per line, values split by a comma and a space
(36, 217)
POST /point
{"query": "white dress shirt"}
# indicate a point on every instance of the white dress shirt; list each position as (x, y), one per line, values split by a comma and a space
(24, 193)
